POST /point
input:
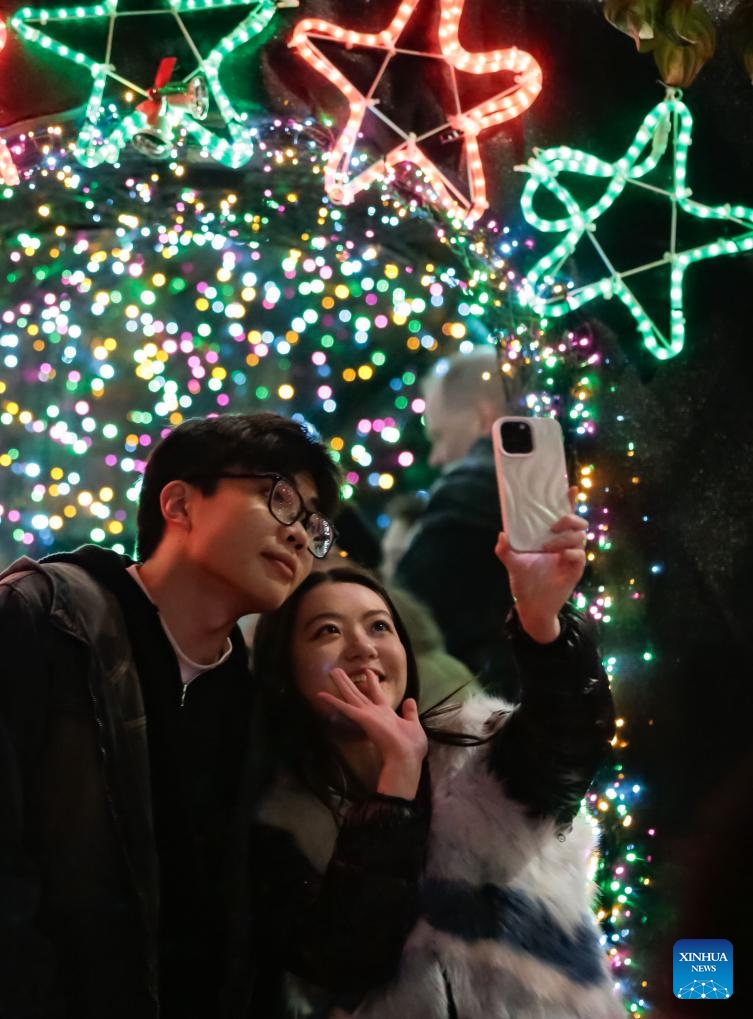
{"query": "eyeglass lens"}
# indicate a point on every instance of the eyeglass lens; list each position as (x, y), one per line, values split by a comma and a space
(287, 505)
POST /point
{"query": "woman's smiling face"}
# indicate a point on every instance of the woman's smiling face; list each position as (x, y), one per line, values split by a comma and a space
(346, 626)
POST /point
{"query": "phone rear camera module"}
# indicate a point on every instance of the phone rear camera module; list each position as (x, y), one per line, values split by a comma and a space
(517, 438)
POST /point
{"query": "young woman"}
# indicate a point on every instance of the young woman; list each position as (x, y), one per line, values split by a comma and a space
(448, 885)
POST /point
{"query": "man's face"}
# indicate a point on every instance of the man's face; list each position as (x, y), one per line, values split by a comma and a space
(248, 560)
(450, 432)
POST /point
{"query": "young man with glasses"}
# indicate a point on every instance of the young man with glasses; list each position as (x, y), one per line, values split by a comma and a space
(125, 709)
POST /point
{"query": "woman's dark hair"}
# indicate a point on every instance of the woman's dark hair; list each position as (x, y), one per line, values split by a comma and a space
(298, 733)
(202, 447)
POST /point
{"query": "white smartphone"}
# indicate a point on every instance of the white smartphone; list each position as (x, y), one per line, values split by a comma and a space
(529, 454)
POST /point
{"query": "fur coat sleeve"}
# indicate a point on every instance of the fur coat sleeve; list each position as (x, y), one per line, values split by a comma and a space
(550, 747)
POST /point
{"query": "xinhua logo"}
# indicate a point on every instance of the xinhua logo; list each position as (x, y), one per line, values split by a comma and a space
(702, 969)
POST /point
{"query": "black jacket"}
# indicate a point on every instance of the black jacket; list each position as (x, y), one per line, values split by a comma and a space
(113, 834)
(449, 565)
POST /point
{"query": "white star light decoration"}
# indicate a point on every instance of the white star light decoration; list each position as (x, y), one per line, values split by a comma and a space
(669, 120)
(166, 108)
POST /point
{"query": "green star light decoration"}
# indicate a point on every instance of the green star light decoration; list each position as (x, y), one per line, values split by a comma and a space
(669, 120)
(95, 145)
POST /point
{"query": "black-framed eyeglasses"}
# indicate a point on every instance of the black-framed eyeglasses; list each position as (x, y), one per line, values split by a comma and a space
(286, 505)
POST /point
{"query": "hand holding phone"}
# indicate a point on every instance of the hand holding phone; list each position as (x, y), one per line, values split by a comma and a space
(529, 456)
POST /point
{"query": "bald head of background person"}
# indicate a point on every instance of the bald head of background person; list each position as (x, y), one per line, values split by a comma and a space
(464, 396)
(447, 565)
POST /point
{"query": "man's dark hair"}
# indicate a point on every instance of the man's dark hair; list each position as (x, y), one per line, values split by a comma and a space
(202, 447)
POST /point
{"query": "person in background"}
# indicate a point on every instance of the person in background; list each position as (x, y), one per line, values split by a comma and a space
(126, 705)
(447, 564)
(443, 678)
(404, 511)
(505, 926)
(357, 538)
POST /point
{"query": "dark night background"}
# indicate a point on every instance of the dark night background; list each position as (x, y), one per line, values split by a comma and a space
(690, 419)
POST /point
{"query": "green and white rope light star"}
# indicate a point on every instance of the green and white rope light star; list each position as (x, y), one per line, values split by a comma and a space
(168, 109)
(670, 120)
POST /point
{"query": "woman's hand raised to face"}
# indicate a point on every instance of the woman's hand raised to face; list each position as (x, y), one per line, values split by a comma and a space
(541, 582)
(400, 739)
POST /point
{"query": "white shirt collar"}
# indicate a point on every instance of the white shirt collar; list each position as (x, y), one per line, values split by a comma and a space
(189, 669)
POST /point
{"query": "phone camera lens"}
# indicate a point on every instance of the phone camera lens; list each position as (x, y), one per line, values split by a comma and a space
(517, 437)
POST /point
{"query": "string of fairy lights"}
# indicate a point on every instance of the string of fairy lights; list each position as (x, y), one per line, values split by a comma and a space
(137, 281)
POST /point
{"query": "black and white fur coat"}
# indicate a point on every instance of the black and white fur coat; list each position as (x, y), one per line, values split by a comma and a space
(505, 926)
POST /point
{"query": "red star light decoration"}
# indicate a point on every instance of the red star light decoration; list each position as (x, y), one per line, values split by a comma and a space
(341, 183)
(8, 172)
